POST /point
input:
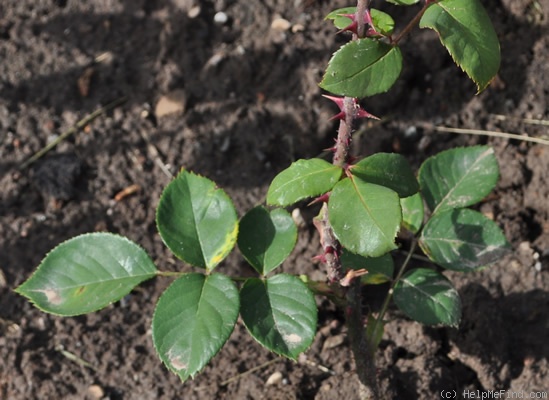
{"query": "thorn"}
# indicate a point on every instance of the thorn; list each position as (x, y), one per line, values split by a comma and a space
(365, 114)
(339, 115)
(337, 100)
(320, 199)
(320, 258)
(358, 110)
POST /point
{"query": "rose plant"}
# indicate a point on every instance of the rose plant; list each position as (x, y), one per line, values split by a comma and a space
(364, 205)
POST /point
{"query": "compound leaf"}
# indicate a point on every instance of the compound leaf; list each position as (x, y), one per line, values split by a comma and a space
(193, 319)
(466, 31)
(458, 177)
(365, 217)
(428, 297)
(280, 313)
(463, 240)
(303, 179)
(266, 237)
(87, 273)
(196, 220)
(362, 68)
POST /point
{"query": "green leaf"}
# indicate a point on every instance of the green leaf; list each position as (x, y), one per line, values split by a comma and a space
(197, 221)
(412, 212)
(458, 177)
(380, 269)
(193, 319)
(87, 273)
(280, 313)
(403, 2)
(463, 240)
(303, 179)
(389, 170)
(428, 297)
(266, 238)
(383, 22)
(365, 217)
(362, 68)
(466, 31)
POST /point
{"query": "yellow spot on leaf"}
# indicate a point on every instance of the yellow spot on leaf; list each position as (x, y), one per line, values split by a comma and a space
(227, 246)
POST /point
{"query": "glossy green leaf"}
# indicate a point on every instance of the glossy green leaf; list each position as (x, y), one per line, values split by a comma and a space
(301, 180)
(466, 31)
(383, 22)
(193, 319)
(458, 177)
(380, 269)
(463, 240)
(197, 221)
(412, 212)
(362, 68)
(389, 170)
(365, 217)
(87, 273)
(403, 2)
(280, 313)
(428, 297)
(266, 238)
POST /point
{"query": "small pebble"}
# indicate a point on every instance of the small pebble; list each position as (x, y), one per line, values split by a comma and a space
(96, 392)
(281, 24)
(194, 12)
(411, 131)
(297, 28)
(274, 379)
(220, 18)
(172, 103)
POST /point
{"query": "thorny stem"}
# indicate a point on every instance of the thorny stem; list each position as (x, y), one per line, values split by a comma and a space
(343, 142)
(361, 348)
(361, 7)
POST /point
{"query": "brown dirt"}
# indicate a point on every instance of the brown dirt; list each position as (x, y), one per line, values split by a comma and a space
(252, 106)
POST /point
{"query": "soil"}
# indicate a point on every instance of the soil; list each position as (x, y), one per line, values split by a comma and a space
(248, 105)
